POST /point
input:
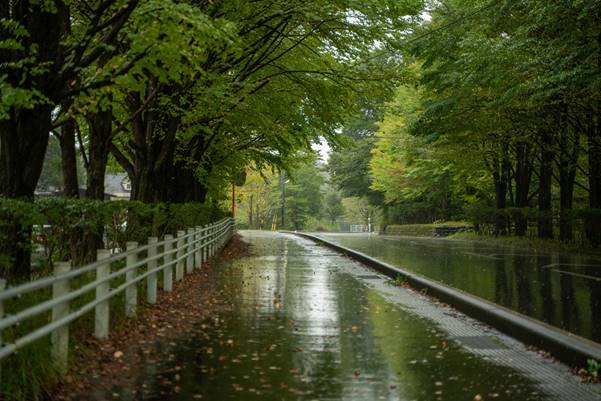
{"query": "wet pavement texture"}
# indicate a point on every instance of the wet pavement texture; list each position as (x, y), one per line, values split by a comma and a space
(308, 324)
(561, 289)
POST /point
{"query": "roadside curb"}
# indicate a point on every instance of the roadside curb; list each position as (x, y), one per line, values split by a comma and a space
(568, 348)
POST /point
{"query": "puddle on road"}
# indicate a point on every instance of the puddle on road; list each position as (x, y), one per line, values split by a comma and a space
(303, 329)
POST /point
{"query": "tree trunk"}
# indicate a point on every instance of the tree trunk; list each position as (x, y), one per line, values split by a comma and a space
(153, 170)
(149, 158)
(566, 227)
(501, 204)
(153, 177)
(568, 165)
(145, 185)
(23, 143)
(593, 222)
(101, 130)
(184, 186)
(500, 178)
(100, 126)
(24, 135)
(69, 160)
(545, 219)
(523, 178)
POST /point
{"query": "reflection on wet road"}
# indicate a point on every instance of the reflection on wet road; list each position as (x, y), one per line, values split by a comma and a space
(561, 289)
(307, 324)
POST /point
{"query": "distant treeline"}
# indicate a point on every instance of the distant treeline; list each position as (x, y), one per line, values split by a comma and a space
(498, 122)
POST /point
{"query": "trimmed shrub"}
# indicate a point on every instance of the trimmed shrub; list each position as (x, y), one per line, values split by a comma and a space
(56, 229)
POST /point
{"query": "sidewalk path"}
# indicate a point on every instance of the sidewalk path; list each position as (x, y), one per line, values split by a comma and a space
(308, 324)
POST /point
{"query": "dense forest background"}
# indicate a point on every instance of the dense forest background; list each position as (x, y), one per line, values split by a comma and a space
(497, 122)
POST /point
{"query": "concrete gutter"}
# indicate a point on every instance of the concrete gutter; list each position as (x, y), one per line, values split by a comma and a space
(568, 348)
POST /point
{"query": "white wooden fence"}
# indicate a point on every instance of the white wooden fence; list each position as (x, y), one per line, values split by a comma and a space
(187, 251)
(359, 228)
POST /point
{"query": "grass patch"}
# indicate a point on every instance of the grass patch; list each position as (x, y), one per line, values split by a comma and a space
(321, 225)
(399, 281)
(535, 244)
(423, 230)
(30, 373)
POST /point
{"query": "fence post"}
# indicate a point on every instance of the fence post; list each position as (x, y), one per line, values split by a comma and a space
(214, 243)
(151, 284)
(101, 320)
(198, 248)
(215, 239)
(168, 270)
(60, 337)
(219, 237)
(211, 241)
(205, 251)
(179, 269)
(131, 292)
(189, 251)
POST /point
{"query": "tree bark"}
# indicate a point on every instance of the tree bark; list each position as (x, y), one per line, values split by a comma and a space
(568, 166)
(101, 130)
(593, 222)
(523, 178)
(69, 160)
(545, 209)
(500, 178)
(187, 188)
(501, 204)
(148, 156)
(23, 143)
(24, 135)
(154, 172)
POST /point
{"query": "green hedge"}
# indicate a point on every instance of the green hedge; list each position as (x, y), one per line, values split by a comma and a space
(53, 227)
(488, 220)
(423, 230)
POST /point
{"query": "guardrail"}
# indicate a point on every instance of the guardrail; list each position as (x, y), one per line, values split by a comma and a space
(573, 350)
(180, 254)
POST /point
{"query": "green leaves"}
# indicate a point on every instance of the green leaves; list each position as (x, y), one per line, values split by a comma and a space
(174, 38)
(303, 195)
(14, 97)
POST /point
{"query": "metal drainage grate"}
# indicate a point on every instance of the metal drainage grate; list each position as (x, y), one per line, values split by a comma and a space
(479, 342)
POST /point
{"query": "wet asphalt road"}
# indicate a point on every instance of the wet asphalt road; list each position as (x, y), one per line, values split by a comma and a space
(560, 288)
(308, 324)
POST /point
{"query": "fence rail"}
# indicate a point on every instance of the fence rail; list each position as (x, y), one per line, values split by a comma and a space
(182, 254)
